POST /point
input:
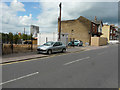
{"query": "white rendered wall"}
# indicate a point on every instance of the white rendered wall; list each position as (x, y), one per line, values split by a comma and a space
(113, 41)
(50, 37)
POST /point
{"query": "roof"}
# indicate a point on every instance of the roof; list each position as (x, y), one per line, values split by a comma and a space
(97, 22)
(81, 18)
(68, 20)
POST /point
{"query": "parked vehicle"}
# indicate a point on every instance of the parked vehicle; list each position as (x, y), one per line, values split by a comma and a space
(75, 43)
(26, 42)
(51, 47)
(29, 42)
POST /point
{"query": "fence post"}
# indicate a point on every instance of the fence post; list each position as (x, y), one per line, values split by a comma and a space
(31, 44)
(2, 48)
(12, 46)
(73, 42)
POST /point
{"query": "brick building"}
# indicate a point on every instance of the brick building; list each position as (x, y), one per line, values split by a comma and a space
(110, 31)
(81, 29)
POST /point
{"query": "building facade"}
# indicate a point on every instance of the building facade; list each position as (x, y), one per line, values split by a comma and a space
(80, 29)
(110, 31)
(45, 37)
(34, 30)
(96, 27)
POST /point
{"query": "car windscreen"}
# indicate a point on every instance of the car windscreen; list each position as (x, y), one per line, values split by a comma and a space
(75, 41)
(48, 43)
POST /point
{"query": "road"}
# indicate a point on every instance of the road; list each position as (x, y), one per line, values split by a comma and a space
(87, 69)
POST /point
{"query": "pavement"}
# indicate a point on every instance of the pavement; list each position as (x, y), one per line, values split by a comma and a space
(96, 68)
(33, 55)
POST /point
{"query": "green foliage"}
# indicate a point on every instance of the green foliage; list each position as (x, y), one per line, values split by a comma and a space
(16, 38)
(24, 37)
(10, 38)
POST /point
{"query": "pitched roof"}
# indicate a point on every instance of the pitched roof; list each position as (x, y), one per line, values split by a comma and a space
(97, 22)
(68, 20)
(81, 19)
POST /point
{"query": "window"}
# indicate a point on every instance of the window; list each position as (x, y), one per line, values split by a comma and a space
(48, 43)
(110, 37)
(57, 44)
(72, 31)
(75, 41)
(60, 43)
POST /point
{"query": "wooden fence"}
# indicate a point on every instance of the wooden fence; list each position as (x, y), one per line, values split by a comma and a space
(18, 48)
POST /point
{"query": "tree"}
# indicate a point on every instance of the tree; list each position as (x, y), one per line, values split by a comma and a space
(16, 38)
(29, 37)
(10, 36)
(24, 36)
(3, 37)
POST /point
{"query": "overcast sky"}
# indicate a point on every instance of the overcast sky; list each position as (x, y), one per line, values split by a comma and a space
(17, 15)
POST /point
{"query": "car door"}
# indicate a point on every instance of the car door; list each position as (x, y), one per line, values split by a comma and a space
(60, 46)
(56, 47)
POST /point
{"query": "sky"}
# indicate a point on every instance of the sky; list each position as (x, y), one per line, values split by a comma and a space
(16, 15)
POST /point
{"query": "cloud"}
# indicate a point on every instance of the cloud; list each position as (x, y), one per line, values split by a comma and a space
(17, 6)
(10, 21)
(48, 18)
(106, 11)
(63, 0)
(25, 20)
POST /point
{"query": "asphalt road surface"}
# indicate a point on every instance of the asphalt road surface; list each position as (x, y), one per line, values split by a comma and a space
(87, 69)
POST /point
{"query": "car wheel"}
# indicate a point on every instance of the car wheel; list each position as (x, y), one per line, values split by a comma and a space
(69, 45)
(63, 50)
(49, 52)
(78, 45)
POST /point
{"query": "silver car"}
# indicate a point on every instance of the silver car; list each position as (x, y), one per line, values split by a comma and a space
(51, 47)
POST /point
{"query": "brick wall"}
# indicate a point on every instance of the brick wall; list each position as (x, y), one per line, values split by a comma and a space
(98, 41)
(106, 32)
(18, 48)
(81, 28)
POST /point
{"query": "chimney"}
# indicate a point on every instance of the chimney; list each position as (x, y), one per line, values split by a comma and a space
(95, 18)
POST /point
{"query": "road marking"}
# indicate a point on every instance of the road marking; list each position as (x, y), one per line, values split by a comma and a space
(76, 61)
(84, 50)
(19, 78)
(34, 59)
(101, 53)
(40, 58)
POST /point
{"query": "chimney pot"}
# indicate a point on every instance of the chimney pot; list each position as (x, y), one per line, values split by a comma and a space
(95, 18)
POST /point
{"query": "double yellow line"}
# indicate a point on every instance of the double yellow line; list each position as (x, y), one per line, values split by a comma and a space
(42, 57)
(33, 59)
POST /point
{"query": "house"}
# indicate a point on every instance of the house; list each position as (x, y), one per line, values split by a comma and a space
(96, 27)
(81, 29)
(110, 31)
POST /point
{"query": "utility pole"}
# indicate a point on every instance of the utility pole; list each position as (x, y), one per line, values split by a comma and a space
(59, 22)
